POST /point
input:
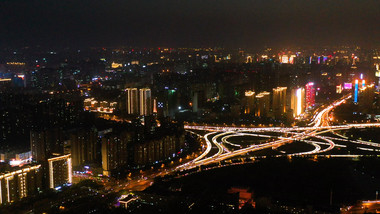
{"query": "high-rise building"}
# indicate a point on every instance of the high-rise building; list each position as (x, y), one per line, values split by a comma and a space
(279, 101)
(145, 101)
(297, 102)
(155, 106)
(262, 104)
(43, 143)
(195, 101)
(249, 102)
(115, 151)
(60, 171)
(171, 102)
(83, 146)
(377, 73)
(38, 145)
(20, 183)
(356, 91)
(367, 98)
(132, 101)
(310, 95)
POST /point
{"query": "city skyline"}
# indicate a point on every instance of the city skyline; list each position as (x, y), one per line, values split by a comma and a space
(201, 106)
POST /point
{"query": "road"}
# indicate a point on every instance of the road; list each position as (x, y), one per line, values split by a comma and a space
(218, 147)
(319, 125)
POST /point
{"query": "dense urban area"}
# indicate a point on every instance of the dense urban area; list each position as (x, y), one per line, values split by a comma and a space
(189, 130)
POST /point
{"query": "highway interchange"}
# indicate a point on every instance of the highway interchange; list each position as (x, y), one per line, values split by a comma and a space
(322, 137)
(226, 143)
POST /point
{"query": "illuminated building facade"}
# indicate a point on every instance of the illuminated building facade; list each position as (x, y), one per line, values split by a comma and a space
(249, 102)
(287, 59)
(145, 102)
(297, 101)
(310, 95)
(116, 65)
(339, 89)
(20, 183)
(356, 91)
(249, 59)
(292, 59)
(262, 104)
(90, 104)
(154, 106)
(132, 101)
(279, 101)
(284, 59)
(60, 171)
(377, 73)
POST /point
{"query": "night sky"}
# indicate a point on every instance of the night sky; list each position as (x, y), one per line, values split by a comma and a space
(189, 23)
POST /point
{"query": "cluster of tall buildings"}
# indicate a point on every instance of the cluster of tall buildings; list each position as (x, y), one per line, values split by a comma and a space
(80, 143)
(53, 148)
(27, 180)
(47, 148)
(159, 149)
(280, 103)
(56, 152)
(118, 145)
(17, 183)
(139, 101)
(121, 149)
(364, 96)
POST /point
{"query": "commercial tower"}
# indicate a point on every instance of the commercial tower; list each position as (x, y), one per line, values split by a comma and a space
(132, 101)
(145, 102)
(279, 101)
(297, 102)
(356, 91)
(310, 95)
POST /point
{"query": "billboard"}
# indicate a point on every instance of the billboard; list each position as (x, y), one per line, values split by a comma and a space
(347, 86)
